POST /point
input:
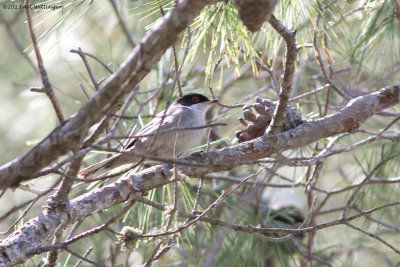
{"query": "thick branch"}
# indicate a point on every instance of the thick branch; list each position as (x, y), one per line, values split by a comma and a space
(70, 134)
(38, 231)
(21, 245)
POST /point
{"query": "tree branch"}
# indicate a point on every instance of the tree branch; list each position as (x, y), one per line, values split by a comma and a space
(287, 83)
(35, 233)
(68, 136)
(47, 88)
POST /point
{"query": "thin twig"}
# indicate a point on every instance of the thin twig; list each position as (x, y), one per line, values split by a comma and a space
(366, 179)
(30, 202)
(14, 39)
(47, 88)
(217, 202)
(53, 254)
(106, 66)
(385, 224)
(313, 92)
(252, 229)
(129, 35)
(84, 256)
(153, 255)
(88, 68)
(210, 76)
(373, 236)
(175, 57)
(340, 91)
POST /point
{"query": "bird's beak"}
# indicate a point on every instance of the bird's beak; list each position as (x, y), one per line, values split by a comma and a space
(214, 101)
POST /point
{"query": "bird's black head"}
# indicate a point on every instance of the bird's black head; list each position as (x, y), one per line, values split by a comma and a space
(191, 99)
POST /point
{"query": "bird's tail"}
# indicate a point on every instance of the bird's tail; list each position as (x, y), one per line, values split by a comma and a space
(102, 167)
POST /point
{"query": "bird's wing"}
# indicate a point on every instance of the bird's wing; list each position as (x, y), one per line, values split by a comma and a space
(153, 126)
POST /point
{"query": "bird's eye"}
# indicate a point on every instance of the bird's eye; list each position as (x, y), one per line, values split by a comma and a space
(195, 99)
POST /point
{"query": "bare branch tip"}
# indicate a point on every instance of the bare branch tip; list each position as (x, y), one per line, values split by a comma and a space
(36, 89)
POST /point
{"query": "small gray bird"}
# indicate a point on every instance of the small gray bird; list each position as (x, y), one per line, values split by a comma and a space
(162, 141)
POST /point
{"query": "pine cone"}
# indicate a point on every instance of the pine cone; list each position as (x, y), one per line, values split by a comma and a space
(254, 13)
(259, 123)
